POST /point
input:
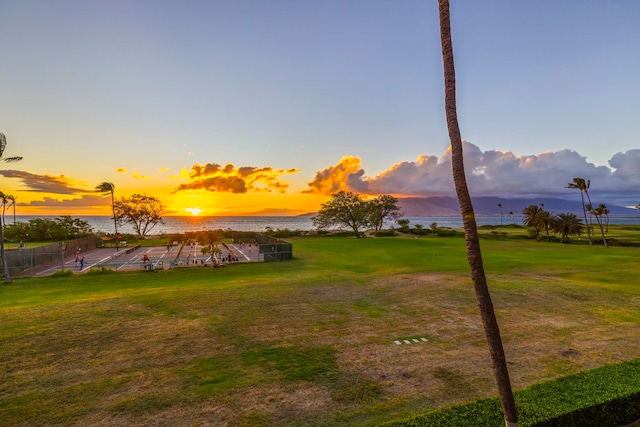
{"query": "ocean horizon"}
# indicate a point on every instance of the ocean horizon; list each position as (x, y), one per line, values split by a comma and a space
(181, 224)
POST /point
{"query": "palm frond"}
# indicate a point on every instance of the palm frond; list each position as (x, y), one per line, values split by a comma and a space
(3, 143)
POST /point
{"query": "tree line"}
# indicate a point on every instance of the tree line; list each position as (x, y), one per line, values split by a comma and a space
(43, 229)
(568, 224)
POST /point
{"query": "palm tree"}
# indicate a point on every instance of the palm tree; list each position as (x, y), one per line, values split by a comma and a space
(3, 145)
(107, 188)
(3, 255)
(567, 224)
(474, 255)
(546, 220)
(598, 212)
(13, 203)
(512, 217)
(532, 218)
(5, 200)
(581, 184)
(500, 206)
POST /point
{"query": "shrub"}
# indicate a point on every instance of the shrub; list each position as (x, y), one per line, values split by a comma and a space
(447, 232)
(384, 233)
(605, 396)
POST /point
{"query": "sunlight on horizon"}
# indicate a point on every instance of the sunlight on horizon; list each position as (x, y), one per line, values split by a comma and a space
(194, 211)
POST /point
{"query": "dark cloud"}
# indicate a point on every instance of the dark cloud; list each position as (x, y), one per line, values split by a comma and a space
(230, 184)
(83, 202)
(44, 183)
(229, 179)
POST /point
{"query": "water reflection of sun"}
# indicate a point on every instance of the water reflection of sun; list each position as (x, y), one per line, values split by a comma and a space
(194, 211)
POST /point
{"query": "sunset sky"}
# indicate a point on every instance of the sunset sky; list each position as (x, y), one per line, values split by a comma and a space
(246, 106)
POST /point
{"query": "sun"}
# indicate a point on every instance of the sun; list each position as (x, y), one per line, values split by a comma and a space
(194, 211)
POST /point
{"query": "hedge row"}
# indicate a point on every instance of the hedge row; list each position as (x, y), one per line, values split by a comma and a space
(605, 396)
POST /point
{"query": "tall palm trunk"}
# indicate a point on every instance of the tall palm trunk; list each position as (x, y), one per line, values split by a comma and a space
(474, 255)
(584, 211)
(115, 220)
(3, 254)
(598, 219)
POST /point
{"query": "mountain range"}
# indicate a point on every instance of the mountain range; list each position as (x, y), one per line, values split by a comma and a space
(488, 206)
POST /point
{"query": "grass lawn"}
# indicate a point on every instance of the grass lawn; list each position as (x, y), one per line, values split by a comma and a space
(309, 341)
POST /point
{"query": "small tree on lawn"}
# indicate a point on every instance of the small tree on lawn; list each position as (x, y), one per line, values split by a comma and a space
(344, 208)
(381, 208)
(567, 224)
(141, 211)
(403, 224)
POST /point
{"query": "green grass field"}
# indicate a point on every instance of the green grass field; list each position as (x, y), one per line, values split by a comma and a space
(309, 341)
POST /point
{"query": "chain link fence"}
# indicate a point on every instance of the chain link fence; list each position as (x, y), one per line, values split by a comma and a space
(25, 261)
(274, 249)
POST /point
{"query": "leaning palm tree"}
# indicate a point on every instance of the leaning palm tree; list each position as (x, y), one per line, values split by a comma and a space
(598, 212)
(474, 255)
(500, 206)
(13, 203)
(581, 184)
(107, 188)
(3, 145)
(3, 255)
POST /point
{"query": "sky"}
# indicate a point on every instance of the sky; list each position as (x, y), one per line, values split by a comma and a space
(233, 107)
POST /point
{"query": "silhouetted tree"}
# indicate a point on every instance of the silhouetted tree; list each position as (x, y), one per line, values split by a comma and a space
(141, 211)
(107, 188)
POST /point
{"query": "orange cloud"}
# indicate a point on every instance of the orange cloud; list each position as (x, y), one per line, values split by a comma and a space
(229, 179)
(121, 170)
(336, 178)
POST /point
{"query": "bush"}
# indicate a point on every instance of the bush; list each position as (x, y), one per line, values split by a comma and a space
(605, 396)
(384, 233)
(448, 232)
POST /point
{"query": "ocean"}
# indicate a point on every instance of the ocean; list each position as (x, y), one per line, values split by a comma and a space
(181, 224)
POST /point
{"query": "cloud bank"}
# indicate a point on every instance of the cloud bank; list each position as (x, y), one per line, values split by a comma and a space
(44, 183)
(490, 173)
(79, 203)
(229, 179)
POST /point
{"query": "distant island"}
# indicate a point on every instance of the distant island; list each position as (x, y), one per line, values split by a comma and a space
(488, 206)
